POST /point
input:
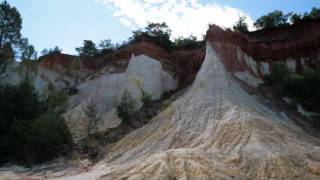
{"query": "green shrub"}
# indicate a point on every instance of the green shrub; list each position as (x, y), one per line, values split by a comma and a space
(302, 88)
(18, 102)
(187, 43)
(51, 51)
(93, 118)
(52, 137)
(57, 100)
(89, 49)
(267, 80)
(38, 141)
(146, 98)
(279, 71)
(272, 20)
(126, 107)
(29, 131)
(241, 25)
(156, 32)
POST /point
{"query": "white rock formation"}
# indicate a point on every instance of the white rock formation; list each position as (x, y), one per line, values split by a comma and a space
(251, 75)
(215, 130)
(248, 78)
(105, 91)
(251, 64)
(148, 73)
(15, 72)
(60, 81)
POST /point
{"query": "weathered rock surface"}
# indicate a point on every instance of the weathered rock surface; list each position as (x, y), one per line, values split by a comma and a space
(14, 72)
(296, 46)
(143, 73)
(216, 130)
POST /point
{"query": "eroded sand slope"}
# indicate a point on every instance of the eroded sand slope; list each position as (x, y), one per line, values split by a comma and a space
(215, 130)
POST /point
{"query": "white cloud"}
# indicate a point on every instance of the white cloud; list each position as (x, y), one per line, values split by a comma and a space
(184, 17)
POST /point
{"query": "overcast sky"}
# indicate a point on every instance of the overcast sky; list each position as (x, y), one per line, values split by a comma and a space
(67, 23)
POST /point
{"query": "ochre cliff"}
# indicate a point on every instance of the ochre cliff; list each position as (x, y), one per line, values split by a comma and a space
(182, 64)
(296, 45)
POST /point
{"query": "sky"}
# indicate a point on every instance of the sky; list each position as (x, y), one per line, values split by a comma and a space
(66, 23)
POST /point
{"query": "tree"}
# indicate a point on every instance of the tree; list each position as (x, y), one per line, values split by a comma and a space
(106, 44)
(146, 98)
(91, 112)
(27, 51)
(272, 20)
(158, 29)
(241, 25)
(278, 72)
(126, 107)
(19, 102)
(55, 50)
(313, 14)
(44, 52)
(187, 43)
(10, 24)
(157, 32)
(161, 32)
(89, 49)
(10, 27)
(29, 131)
(6, 53)
(57, 100)
(294, 18)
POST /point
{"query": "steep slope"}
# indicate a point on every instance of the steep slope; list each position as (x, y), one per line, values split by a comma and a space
(216, 130)
(143, 74)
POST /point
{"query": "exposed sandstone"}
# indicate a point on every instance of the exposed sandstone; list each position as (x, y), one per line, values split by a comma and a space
(143, 73)
(15, 72)
(296, 46)
(216, 130)
(314, 167)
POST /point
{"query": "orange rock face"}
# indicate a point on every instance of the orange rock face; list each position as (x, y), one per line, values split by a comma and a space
(300, 42)
(182, 64)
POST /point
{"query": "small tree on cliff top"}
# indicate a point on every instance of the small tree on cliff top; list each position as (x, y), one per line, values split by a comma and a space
(157, 32)
(272, 20)
(89, 49)
(241, 25)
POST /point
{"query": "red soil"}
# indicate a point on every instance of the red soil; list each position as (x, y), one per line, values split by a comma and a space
(181, 64)
(301, 40)
(298, 41)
